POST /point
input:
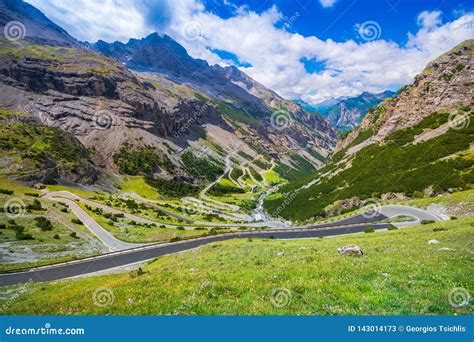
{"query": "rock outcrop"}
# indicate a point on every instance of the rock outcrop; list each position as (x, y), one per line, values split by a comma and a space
(445, 85)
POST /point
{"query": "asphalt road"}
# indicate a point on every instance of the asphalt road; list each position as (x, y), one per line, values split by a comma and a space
(126, 257)
(110, 241)
(126, 254)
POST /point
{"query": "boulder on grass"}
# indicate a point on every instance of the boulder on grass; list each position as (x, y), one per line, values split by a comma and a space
(351, 250)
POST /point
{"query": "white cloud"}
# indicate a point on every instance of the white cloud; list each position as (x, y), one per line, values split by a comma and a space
(351, 67)
(429, 19)
(93, 20)
(273, 53)
(327, 3)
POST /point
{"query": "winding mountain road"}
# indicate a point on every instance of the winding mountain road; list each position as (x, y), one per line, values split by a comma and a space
(130, 256)
(126, 253)
(111, 242)
(224, 206)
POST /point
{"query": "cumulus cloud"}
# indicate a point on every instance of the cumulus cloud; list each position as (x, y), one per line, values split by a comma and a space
(429, 19)
(351, 68)
(93, 20)
(327, 3)
(272, 55)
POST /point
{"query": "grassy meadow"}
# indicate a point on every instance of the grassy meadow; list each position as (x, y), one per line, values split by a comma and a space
(399, 274)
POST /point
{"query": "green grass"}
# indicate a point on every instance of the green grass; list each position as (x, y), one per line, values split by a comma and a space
(143, 160)
(60, 58)
(457, 204)
(172, 188)
(400, 218)
(399, 274)
(141, 233)
(76, 191)
(224, 187)
(246, 201)
(43, 248)
(6, 112)
(138, 185)
(236, 115)
(27, 148)
(202, 167)
(17, 187)
(448, 201)
(272, 177)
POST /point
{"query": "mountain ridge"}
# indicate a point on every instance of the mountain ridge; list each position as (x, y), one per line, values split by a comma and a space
(100, 100)
(345, 113)
(35, 26)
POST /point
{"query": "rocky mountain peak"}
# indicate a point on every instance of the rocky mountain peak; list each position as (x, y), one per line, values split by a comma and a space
(33, 25)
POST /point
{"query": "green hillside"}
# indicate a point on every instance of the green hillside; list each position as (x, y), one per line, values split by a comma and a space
(247, 277)
(399, 165)
(32, 151)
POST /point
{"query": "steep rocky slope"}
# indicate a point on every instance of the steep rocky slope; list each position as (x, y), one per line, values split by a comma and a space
(28, 22)
(150, 95)
(161, 59)
(444, 85)
(89, 96)
(418, 144)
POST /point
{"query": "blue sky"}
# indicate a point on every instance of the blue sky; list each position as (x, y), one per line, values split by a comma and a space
(303, 49)
(337, 21)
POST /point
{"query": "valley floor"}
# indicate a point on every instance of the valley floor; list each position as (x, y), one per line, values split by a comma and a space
(401, 273)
